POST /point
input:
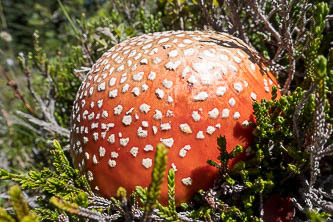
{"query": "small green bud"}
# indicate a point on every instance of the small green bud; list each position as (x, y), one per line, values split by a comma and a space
(121, 193)
(184, 206)
(321, 66)
(260, 155)
(248, 184)
(229, 180)
(294, 169)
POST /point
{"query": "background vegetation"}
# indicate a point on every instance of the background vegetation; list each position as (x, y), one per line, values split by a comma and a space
(46, 47)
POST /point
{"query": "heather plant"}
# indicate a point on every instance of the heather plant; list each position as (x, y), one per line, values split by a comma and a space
(290, 155)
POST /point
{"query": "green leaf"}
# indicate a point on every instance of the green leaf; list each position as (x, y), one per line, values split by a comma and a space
(158, 173)
(5, 217)
(64, 205)
(63, 9)
(142, 194)
(122, 193)
(19, 205)
(171, 194)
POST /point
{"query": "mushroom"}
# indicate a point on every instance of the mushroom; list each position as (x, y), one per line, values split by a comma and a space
(180, 88)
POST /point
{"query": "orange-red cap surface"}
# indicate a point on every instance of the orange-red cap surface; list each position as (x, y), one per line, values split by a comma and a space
(181, 88)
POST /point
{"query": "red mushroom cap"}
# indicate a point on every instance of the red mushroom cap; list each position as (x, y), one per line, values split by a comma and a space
(180, 88)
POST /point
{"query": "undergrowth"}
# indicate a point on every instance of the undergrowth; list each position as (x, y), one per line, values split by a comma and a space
(274, 164)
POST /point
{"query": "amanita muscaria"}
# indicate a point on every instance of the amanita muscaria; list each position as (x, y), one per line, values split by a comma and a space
(181, 88)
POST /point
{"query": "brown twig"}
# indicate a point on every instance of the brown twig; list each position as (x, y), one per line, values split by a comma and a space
(234, 16)
(207, 16)
(47, 121)
(51, 127)
(287, 42)
(263, 18)
(16, 90)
